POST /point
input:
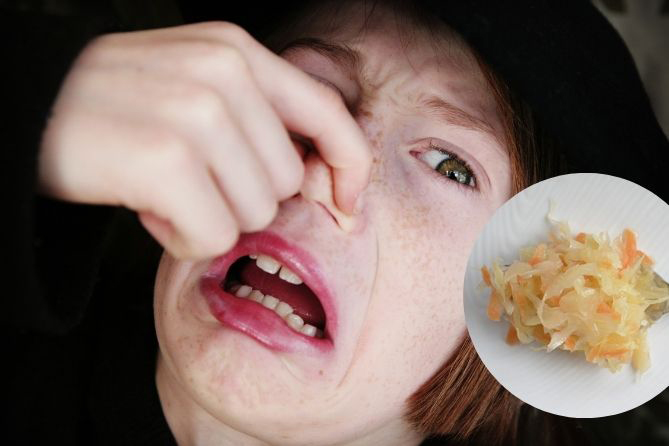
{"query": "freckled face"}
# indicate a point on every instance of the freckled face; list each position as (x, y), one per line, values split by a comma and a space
(397, 279)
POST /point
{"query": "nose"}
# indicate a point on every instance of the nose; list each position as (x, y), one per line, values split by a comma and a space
(318, 187)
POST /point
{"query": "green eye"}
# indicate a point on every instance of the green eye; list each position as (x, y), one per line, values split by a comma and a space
(449, 166)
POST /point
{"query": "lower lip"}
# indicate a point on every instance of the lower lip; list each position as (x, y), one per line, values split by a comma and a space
(258, 322)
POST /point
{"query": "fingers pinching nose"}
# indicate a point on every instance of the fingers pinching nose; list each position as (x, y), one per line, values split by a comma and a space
(318, 187)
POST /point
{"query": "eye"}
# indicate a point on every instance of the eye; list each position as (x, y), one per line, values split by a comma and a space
(329, 84)
(448, 165)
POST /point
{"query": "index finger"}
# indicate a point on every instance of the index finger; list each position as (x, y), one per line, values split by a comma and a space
(334, 133)
(307, 107)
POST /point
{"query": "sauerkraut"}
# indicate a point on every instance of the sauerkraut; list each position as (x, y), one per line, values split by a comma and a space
(584, 293)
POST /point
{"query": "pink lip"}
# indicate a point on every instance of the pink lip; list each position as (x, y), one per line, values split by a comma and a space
(264, 325)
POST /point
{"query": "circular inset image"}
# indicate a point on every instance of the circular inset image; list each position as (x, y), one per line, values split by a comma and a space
(565, 295)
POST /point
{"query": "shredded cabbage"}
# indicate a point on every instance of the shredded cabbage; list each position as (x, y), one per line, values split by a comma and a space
(584, 293)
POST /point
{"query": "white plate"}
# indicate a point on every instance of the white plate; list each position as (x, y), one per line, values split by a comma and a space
(560, 382)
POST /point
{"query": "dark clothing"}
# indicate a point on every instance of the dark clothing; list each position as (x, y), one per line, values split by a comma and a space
(81, 367)
(78, 291)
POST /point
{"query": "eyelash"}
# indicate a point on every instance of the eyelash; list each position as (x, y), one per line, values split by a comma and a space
(471, 184)
(329, 84)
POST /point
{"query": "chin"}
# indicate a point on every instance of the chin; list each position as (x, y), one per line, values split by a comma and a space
(247, 388)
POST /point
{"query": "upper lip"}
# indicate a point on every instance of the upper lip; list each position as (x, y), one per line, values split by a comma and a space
(295, 258)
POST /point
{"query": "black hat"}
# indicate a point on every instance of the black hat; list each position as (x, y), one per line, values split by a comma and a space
(563, 59)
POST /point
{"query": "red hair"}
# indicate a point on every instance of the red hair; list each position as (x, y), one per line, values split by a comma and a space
(462, 399)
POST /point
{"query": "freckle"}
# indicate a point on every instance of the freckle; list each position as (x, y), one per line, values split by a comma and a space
(320, 372)
(363, 113)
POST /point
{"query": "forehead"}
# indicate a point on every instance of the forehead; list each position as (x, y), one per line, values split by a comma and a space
(397, 52)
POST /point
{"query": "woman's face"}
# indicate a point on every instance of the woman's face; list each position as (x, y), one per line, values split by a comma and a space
(390, 280)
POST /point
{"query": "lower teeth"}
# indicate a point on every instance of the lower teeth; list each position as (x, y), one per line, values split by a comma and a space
(281, 308)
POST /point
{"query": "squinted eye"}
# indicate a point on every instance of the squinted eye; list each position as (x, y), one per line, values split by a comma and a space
(329, 84)
(449, 165)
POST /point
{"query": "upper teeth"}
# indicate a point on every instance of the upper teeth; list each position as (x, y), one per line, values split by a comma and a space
(271, 265)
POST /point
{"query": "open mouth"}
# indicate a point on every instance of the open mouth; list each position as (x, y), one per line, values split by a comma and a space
(274, 292)
(263, 280)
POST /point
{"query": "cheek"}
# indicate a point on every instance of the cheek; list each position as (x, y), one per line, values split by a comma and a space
(184, 341)
(217, 368)
(425, 230)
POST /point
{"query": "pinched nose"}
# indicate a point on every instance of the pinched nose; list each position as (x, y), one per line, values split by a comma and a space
(318, 187)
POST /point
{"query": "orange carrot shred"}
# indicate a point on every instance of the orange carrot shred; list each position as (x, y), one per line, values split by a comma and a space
(604, 308)
(614, 353)
(553, 301)
(540, 335)
(606, 264)
(494, 307)
(486, 276)
(512, 336)
(593, 354)
(629, 248)
(538, 255)
(570, 343)
(519, 298)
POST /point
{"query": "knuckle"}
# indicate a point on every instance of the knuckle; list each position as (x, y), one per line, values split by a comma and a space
(200, 103)
(222, 62)
(231, 62)
(176, 156)
(228, 30)
(225, 60)
(193, 105)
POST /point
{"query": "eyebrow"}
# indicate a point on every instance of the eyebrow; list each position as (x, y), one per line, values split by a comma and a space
(454, 115)
(342, 54)
(352, 60)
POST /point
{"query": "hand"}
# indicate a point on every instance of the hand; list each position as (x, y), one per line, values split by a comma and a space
(189, 126)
